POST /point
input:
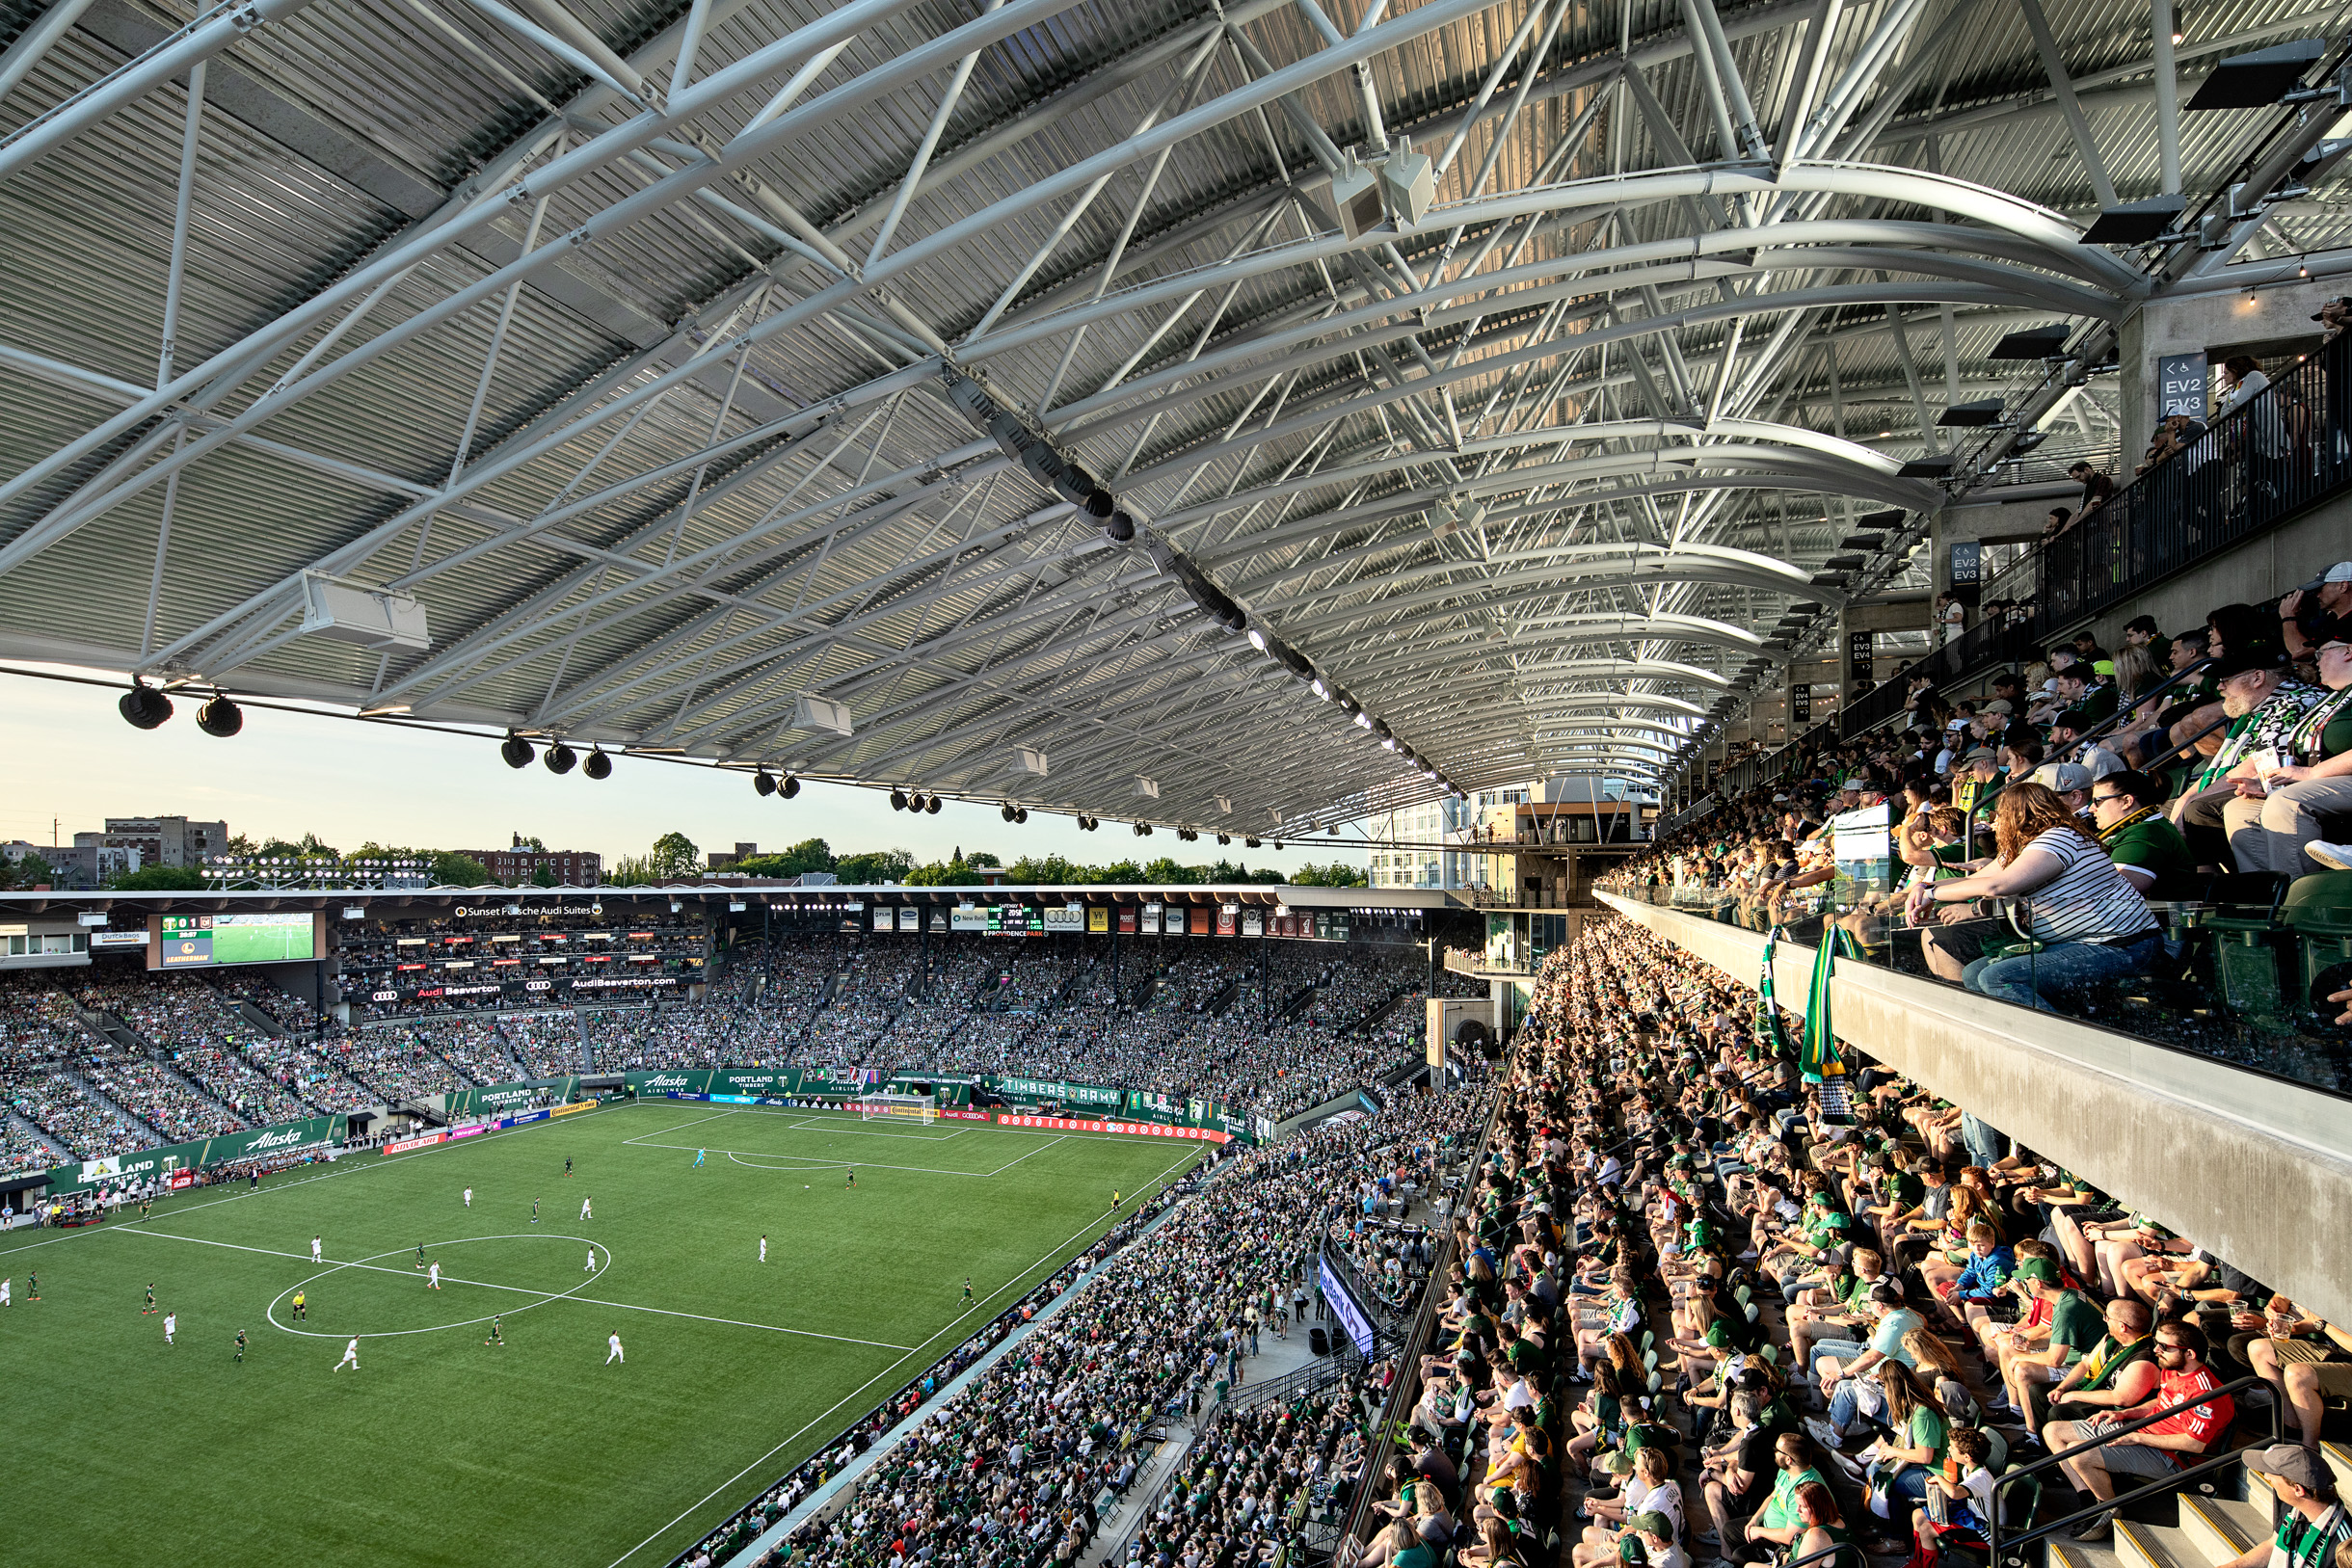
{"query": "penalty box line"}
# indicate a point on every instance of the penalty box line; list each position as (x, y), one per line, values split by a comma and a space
(528, 1290)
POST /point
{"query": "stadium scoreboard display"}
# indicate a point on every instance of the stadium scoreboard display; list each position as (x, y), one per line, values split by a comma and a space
(187, 941)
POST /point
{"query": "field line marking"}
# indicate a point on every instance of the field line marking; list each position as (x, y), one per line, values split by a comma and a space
(1017, 1158)
(681, 1127)
(737, 1322)
(379, 1163)
(936, 1334)
(526, 1290)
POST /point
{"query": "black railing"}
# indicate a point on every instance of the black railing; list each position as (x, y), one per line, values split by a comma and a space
(1996, 1542)
(2280, 453)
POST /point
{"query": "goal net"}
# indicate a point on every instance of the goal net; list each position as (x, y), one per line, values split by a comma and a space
(883, 1107)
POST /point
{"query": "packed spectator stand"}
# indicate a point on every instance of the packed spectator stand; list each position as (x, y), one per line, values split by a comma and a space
(1011, 1469)
(113, 1059)
(2165, 829)
(1691, 1310)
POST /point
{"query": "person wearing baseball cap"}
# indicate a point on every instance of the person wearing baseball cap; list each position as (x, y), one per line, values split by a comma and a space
(2311, 1525)
(2058, 1327)
(2069, 782)
(2318, 611)
(2265, 703)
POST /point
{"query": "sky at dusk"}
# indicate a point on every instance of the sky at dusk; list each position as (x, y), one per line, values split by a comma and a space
(68, 760)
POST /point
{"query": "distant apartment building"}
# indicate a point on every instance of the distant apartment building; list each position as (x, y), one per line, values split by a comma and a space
(721, 859)
(520, 866)
(160, 841)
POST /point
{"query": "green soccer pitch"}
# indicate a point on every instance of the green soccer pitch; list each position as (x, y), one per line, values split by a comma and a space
(272, 943)
(440, 1449)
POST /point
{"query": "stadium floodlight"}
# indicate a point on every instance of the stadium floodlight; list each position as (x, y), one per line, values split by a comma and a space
(763, 784)
(1249, 843)
(2134, 223)
(1021, 813)
(1224, 838)
(1120, 527)
(789, 788)
(897, 799)
(2260, 79)
(1983, 411)
(598, 765)
(218, 716)
(144, 706)
(1257, 638)
(560, 758)
(517, 751)
(2033, 343)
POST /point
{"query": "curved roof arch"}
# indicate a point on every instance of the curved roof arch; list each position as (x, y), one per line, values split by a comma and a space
(624, 359)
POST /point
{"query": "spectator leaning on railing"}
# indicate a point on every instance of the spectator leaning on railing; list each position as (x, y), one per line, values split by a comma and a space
(2086, 921)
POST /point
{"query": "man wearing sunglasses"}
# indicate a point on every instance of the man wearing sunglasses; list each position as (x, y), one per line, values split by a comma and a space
(2127, 809)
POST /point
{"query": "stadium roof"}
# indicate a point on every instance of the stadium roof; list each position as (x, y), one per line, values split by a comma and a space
(679, 361)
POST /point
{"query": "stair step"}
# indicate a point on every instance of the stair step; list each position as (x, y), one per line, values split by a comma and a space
(2339, 1460)
(2065, 1554)
(2139, 1545)
(2219, 1528)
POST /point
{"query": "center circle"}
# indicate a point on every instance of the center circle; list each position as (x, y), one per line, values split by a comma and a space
(371, 1265)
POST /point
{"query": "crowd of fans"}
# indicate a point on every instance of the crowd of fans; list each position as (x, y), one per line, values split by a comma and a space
(2038, 832)
(1723, 1312)
(1006, 1473)
(1272, 1028)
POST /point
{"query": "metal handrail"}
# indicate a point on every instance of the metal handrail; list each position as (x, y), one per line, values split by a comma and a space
(1834, 1549)
(1967, 832)
(2124, 710)
(1407, 1386)
(1992, 1527)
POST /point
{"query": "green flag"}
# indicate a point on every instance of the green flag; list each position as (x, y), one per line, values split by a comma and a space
(1820, 1059)
(1767, 1040)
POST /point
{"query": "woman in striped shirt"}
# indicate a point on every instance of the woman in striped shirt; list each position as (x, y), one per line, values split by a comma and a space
(2087, 921)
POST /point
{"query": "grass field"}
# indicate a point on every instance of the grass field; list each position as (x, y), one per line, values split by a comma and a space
(443, 1449)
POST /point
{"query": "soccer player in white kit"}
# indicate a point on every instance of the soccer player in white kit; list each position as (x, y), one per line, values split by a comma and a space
(433, 1277)
(317, 1250)
(4, 1300)
(589, 1267)
(614, 1354)
(763, 1249)
(585, 1212)
(351, 1357)
(170, 1326)
(469, 1197)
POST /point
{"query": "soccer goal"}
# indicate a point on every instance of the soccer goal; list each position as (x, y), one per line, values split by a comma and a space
(883, 1107)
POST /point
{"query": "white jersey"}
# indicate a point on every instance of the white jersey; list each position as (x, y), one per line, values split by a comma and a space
(584, 1212)
(3, 1301)
(351, 1357)
(469, 1197)
(315, 1249)
(589, 1267)
(170, 1326)
(763, 1249)
(432, 1275)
